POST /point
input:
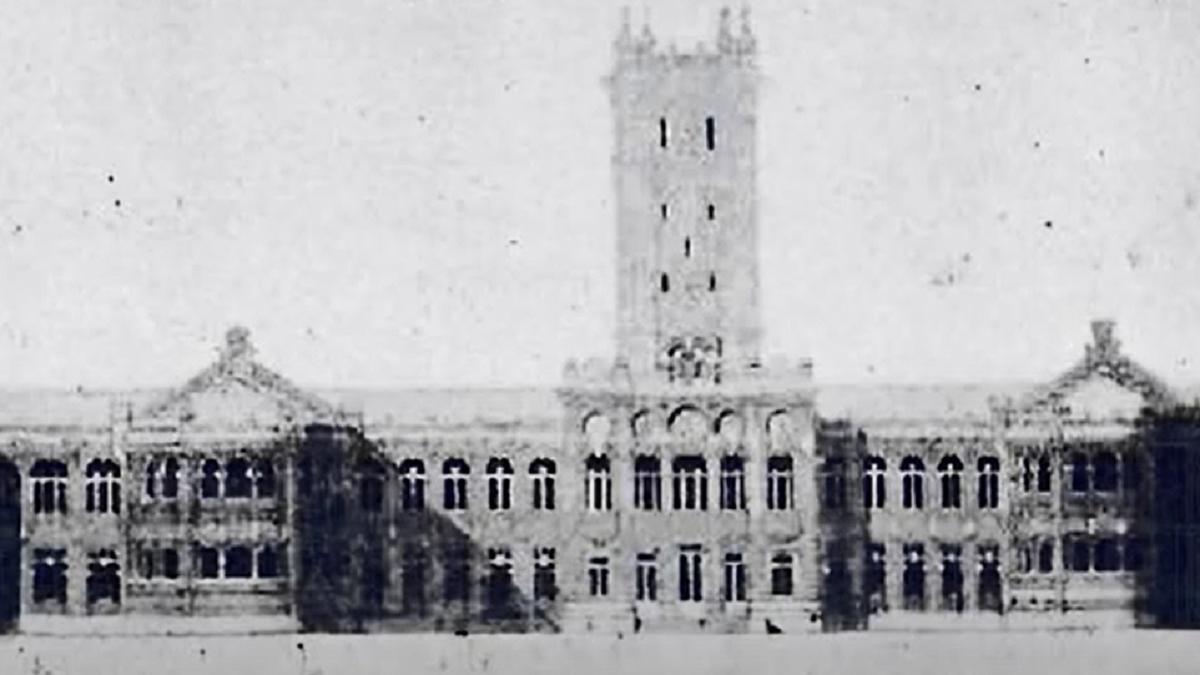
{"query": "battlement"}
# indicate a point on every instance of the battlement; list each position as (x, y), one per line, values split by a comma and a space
(642, 49)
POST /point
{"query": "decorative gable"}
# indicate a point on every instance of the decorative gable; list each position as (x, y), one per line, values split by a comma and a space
(237, 393)
(1105, 385)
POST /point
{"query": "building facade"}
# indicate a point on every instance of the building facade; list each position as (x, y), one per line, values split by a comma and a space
(685, 485)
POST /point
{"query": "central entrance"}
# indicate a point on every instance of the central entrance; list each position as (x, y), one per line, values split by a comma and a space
(10, 545)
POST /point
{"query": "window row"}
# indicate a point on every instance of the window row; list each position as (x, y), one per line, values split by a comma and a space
(710, 133)
(914, 576)
(949, 480)
(688, 484)
(102, 584)
(235, 478)
(1103, 471)
(102, 486)
(646, 582)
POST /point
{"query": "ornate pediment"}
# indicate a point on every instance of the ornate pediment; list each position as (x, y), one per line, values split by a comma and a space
(1105, 385)
(237, 393)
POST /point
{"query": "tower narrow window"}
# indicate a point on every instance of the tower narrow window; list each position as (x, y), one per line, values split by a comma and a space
(712, 212)
(687, 247)
(712, 281)
(662, 132)
(662, 210)
(710, 132)
(664, 283)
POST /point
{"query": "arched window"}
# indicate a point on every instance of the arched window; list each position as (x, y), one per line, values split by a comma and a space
(499, 482)
(454, 484)
(371, 478)
(49, 480)
(950, 469)
(912, 482)
(102, 491)
(733, 483)
(874, 483)
(779, 483)
(264, 478)
(989, 482)
(104, 577)
(1104, 477)
(237, 477)
(162, 478)
(647, 483)
(210, 479)
(598, 485)
(542, 471)
(412, 485)
(690, 481)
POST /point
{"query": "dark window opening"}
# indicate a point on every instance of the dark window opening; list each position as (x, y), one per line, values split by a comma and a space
(208, 562)
(545, 585)
(733, 483)
(712, 281)
(662, 132)
(1079, 472)
(1046, 557)
(647, 577)
(210, 480)
(1105, 476)
(735, 578)
(914, 577)
(1079, 555)
(598, 577)
(50, 575)
(664, 283)
(1044, 474)
(662, 210)
(268, 563)
(647, 483)
(104, 578)
(264, 479)
(952, 579)
(457, 581)
(687, 247)
(1108, 557)
(781, 574)
(237, 478)
(690, 577)
(875, 578)
(710, 133)
(238, 563)
(712, 212)
(834, 479)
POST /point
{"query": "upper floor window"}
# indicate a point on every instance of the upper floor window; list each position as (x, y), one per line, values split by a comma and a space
(49, 479)
(989, 482)
(412, 485)
(264, 478)
(912, 483)
(950, 469)
(210, 479)
(542, 471)
(690, 481)
(598, 485)
(499, 482)
(102, 491)
(162, 478)
(779, 483)
(710, 133)
(874, 483)
(454, 484)
(733, 483)
(238, 482)
(647, 483)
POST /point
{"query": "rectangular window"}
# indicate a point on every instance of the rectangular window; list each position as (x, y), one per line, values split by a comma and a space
(733, 484)
(690, 575)
(598, 577)
(170, 563)
(781, 574)
(647, 577)
(208, 562)
(710, 133)
(662, 210)
(1046, 557)
(457, 581)
(1079, 554)
(735, 578)
(544, 583)
(779, 483)
(712, 212)
(662, 132)
(50, 575)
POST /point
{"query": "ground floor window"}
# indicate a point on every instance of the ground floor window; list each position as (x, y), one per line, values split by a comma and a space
(104, 577)
(50, 575)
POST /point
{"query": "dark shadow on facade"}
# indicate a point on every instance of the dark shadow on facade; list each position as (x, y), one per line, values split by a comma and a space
(375, 558)
(10, 545)
(1169, 585)
(849, 591)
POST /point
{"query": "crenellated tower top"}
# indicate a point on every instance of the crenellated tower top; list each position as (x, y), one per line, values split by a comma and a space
(642, 47)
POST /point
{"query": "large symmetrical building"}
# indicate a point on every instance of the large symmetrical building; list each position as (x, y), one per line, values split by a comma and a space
(687, 485)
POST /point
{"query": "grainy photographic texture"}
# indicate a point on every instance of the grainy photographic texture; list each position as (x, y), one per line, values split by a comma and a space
(684, 503)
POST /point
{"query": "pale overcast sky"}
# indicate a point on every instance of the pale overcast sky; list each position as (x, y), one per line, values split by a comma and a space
(393, 193)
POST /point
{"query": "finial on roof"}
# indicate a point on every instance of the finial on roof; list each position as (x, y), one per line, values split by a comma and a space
(746, 41)
(624, 41)
(724, 33)
(237, 344)
(1104, 344)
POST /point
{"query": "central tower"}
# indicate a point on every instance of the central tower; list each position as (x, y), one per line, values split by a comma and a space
(687, 231)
